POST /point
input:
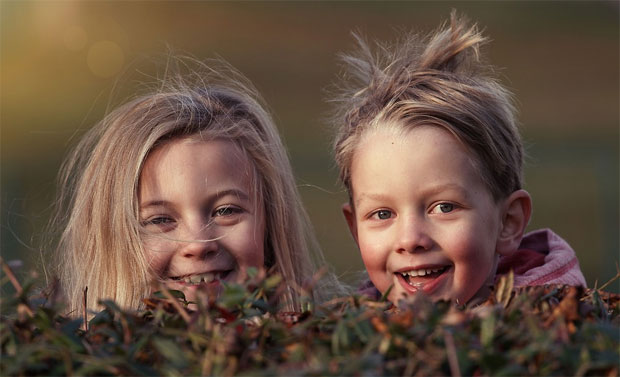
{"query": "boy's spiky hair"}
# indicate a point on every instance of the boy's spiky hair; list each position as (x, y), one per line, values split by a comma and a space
(440, 81)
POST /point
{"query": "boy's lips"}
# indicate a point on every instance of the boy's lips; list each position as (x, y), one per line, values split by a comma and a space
(425, 277)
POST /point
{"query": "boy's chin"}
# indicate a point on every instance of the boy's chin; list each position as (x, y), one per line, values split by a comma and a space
(457, 298)
(481, 296)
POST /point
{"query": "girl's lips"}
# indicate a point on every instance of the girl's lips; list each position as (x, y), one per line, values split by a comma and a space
(197, 279)
(210, 282)
(426, 278)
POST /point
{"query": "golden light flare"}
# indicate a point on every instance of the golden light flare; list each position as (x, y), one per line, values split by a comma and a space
(105, 58)
(75, 38)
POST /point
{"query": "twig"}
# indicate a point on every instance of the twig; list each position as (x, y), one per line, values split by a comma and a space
(126, 330)
(9, 273)
(175, 303)
(610, 281)
(23, 307)
(84, 314)
(451, 352)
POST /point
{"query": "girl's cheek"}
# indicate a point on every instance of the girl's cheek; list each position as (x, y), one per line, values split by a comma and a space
(157, 261)
(250, 249)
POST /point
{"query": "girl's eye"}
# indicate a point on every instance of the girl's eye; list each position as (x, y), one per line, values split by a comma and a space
(226, 211)
(383, 214)
(443, 208)
(158, 220)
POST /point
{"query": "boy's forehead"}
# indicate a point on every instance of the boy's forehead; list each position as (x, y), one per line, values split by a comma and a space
(423, 156)
(396, 132)
(384, 128)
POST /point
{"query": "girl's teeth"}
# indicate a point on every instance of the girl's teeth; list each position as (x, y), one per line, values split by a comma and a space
(197, 279)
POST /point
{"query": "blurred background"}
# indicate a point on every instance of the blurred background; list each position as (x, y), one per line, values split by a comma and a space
(63, 64)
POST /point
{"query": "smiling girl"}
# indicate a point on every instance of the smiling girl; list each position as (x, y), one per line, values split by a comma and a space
(189, 186)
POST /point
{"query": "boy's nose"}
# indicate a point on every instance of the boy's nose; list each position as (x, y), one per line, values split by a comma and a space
(412, 236)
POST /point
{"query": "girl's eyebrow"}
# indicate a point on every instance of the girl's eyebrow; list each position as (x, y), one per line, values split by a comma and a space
(154, 203)
(240, 194)
(233, 192)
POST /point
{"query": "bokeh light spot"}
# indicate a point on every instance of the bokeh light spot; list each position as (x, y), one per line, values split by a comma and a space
(75, 38)
(105, 58)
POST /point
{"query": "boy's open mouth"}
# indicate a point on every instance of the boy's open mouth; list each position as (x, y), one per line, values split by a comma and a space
(418, 277)
(196, 279)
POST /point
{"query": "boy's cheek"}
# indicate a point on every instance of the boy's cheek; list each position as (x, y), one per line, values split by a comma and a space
(368, 256)
(375, 262)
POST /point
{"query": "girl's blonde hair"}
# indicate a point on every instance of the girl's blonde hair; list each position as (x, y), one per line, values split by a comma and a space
(100, 246)
(438, 81)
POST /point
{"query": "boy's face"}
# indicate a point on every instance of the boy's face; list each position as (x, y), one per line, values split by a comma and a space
(422, 217)
(201, 224)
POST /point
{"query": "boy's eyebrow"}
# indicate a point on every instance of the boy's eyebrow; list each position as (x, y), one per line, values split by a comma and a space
(376, 197)
(448, 186)
(427, 191)
(164, 203)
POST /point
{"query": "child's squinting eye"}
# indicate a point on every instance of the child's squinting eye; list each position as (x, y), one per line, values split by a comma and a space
(383, 214)
(443, 208)
(226, 211)
(158, 220)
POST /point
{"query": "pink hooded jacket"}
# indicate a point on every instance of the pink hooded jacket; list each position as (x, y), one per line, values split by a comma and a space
(543, 258)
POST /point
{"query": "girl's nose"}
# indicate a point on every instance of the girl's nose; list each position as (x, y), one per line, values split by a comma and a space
(198, 243)
(412, 236)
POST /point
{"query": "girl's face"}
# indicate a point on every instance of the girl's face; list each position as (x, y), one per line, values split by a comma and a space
(422, 217)
(201, 222)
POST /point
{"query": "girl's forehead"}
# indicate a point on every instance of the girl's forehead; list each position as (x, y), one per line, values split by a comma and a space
(218, 155)
(196, 142)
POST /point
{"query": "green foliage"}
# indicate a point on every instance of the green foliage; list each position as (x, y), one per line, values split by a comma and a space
(549, 330)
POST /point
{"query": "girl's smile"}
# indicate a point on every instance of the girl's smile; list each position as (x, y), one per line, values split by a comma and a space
(196, 279)
(189, 283)
(201, 222)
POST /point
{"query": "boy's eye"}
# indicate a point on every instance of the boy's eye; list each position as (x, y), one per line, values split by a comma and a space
(383, 214)
(443, 208)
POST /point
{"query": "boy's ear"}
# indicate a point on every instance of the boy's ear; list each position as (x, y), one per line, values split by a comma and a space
(515, 217)
(349, 215)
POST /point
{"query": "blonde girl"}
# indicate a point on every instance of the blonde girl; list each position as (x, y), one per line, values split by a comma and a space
(190, 185)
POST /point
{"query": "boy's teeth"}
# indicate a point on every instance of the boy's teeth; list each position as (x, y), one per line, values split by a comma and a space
(422, 272)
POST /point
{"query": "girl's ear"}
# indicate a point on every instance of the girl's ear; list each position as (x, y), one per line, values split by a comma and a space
(515, 217)
(349, 215)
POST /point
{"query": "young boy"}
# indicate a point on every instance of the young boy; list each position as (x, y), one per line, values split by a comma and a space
(430, 154)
